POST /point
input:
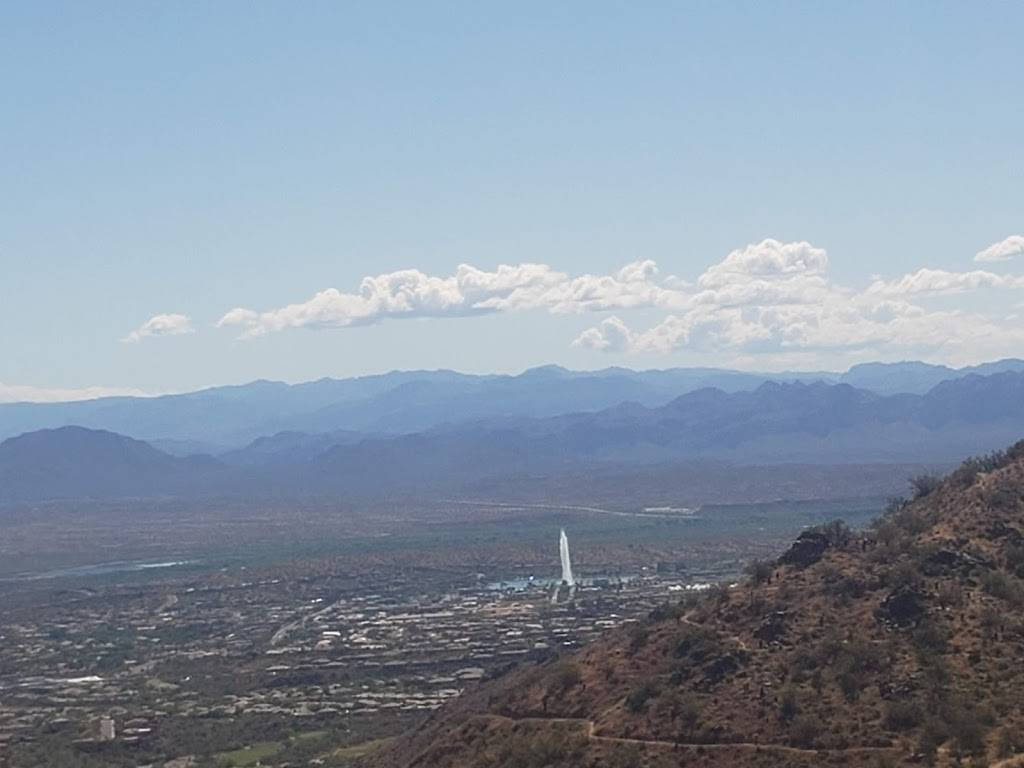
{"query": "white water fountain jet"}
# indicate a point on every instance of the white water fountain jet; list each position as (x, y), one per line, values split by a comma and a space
(563, 551)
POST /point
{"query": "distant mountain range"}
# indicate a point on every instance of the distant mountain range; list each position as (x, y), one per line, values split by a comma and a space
(225, 419)
(815, 423)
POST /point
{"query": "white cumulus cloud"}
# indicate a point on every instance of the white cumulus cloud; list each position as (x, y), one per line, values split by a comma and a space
(766, 260)
(942, 282)
(470, 291)
(1004, 250)
(611, 335)
(161, 325)
(770, 297)
(776, 298)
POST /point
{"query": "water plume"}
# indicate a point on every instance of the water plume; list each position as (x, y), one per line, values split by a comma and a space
(563, 551)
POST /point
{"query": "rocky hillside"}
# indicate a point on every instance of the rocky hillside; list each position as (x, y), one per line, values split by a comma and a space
(900, 645)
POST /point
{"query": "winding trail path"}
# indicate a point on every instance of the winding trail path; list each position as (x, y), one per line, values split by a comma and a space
(784, 749)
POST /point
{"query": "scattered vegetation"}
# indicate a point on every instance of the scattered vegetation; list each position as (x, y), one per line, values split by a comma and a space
(903, 716)
(698, 644)
(805, 730)
(546, 748)
(1003, 586)
(566, 676)
(760, 571)
(637, 699)
(924, 485)
(837, 533)
(969, 470)
(789, 708)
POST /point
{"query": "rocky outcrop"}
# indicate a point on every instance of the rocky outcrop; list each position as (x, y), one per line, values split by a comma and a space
(949, 560)
(1000, 530)
(808, 549)
(902, 608)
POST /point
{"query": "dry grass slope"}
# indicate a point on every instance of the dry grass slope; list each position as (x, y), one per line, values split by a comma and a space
(900, 645)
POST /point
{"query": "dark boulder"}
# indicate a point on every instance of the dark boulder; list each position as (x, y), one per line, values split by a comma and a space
(808, 549)
(773, 628)
(902, 608)
(948, 560)
(723, 667)
(1000, 530)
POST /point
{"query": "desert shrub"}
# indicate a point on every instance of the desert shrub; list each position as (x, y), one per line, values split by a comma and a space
(966, 473)
(960, 721)
(698, 644)
(1015, 628)
(887, 532)
(844, 587)
(565, 676)
(533, 749)
(666, 707)
(892, 506)
(853, 666)
(638, 636)
(639, 696)
(923, 485)
(804, 664)
(717, 594)
(688, 716)
(760, 571)
(930, 637)
(831, 645)
(1003, 498)
(967, 729)
(1002, 585)
(903, 575)
(817, 681)
(991, 620)
(914, 521)
(950, 594)
(624, 756)
(1015, 559)
(910, 520)
(1008, 742)
(804, 731)
(852, 681)
(678, 707)
(836, 532)
(933, 736)
(884, 554)
(903, 715)
(757, 605)
(936, 678)
(786, 593)
(789, 707)
(666, 611)
(804, 660)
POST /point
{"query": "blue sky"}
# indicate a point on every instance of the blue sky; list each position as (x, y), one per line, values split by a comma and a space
(791, 169)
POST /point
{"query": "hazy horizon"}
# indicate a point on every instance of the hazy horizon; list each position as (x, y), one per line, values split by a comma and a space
(10, 395)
